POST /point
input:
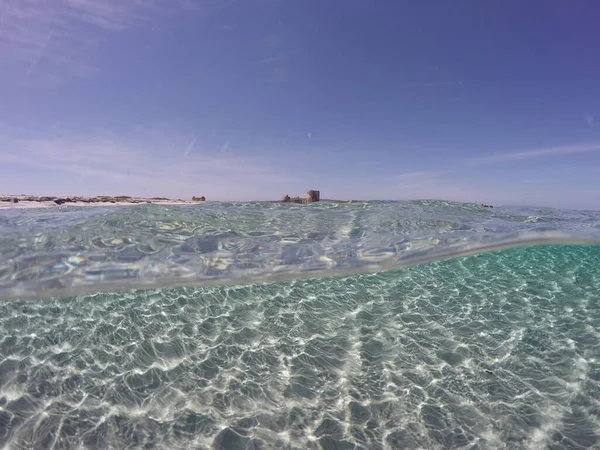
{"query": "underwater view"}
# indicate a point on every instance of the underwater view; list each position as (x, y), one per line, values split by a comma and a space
(445, 326)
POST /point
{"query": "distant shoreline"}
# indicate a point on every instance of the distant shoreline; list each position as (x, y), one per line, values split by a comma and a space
(43, 201)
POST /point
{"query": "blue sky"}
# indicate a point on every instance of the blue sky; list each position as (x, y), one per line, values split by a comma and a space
(494, 102)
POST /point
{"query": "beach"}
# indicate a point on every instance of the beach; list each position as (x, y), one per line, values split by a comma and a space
(32, 201)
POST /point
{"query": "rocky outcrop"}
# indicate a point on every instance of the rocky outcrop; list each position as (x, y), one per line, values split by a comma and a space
(199, 199)
(288, 199)
(10, 199)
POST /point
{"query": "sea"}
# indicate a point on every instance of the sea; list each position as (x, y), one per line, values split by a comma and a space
(366, 325)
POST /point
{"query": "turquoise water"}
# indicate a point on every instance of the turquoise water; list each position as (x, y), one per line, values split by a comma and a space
(493, 350)
(74, 250)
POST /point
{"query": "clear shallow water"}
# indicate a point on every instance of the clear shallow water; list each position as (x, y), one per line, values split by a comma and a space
(493, 350)
(74, 250)
(498, 350)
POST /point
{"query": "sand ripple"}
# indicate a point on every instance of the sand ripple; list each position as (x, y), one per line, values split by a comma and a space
(489, 351)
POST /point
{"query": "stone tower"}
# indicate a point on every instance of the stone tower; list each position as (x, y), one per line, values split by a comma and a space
(313, 196)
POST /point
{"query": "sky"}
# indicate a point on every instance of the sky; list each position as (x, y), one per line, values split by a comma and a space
(465, 100)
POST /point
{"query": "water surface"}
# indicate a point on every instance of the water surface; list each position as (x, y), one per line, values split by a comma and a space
(494, 350)
(74, 250)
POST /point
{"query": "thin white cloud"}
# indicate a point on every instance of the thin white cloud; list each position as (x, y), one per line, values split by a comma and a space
(432, 184)
(112, 16)
(141, 161)
(52, 40)
(589, 119)
(427, 185)
(534, 154)
(190, 146)
(40, 54)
